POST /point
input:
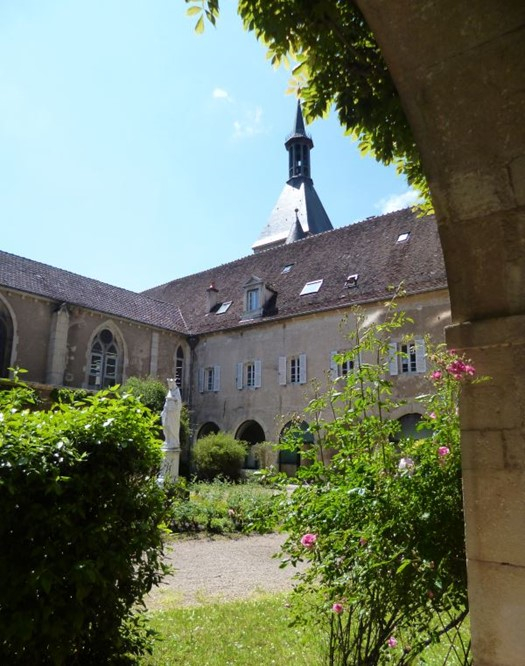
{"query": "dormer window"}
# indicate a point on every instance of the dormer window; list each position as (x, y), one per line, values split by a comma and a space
(311, 287)
(252, 299)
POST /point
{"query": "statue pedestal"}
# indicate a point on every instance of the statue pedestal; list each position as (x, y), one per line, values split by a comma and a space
(170, 465)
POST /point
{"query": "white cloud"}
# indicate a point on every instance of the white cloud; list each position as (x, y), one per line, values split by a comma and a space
(251, 125)
(220, 93)
(398, 201)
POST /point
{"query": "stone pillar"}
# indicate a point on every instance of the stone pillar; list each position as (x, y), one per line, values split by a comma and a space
(493, 457)
(57, 350)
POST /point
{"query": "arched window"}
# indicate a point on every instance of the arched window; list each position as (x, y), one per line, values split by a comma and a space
(179, 367)
(104, 365)
(6, 340)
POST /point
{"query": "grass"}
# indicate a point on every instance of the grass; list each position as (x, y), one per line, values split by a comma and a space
(251, 632)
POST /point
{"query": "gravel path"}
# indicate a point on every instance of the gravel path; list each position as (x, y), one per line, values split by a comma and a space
(222, 568)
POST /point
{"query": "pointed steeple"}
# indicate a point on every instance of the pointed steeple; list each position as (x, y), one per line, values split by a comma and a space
(298, 212)
(299, 144)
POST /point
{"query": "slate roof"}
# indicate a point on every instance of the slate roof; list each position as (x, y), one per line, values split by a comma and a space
(297, 195)
(33, 277)
(369, 249)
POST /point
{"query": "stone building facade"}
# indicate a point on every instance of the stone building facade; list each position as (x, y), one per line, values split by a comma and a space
(244, 339)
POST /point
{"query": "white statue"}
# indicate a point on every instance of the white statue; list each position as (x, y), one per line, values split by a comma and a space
(171, 416)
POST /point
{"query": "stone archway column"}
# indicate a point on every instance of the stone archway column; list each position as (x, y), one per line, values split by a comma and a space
(459, 69)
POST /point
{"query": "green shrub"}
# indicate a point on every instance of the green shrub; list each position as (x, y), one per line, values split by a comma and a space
(151, 391)
(264, 453)
(81, 532)
(221, 507)
(68, 395)
(219, 455)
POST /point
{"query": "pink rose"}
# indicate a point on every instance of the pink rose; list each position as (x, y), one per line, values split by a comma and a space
(337, 608)
(470, 370)
(436, 375)
(308, 540)
(443, 451)
(391, 642)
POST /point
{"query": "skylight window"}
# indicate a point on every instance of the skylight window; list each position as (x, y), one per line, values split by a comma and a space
(224, 307)
(351, 280)
(287, 268)
(403, 237)
(311, 287)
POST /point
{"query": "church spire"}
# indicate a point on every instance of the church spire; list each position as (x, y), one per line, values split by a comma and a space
(298, 144)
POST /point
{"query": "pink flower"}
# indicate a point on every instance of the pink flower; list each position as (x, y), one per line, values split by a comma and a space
(363, 541)
(308, 540)
(432, 415)
(470, 370)
(405, 463)
(443, 451)
(337, 608)
(231, 512)
(391, 642)
(436, 375)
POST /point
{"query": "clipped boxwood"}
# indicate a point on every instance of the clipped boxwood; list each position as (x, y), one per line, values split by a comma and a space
(219, 455)
(81, 530)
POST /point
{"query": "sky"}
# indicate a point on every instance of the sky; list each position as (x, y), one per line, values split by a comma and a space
(135, 151)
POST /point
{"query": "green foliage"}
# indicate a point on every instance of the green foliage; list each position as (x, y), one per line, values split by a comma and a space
(222, 508)
(68, 395)
(150, 390)
(81, 530)
(264, 453)
(336, 62)
(382, 524)
(219, 455)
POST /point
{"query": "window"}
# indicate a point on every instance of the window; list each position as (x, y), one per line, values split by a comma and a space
(292, 369)
(287, 268)
(179, 366)
(252, 300)
(407, 357)
(209, 379)
(340, 367)
(104, 361)
(311, 287)
(248, 374)
(403, 237)
(224, 307)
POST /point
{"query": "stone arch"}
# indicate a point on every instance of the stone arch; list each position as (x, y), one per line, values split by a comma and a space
(458, 68)
(106, 357)
(252, 433)
(208, 428)
(7, 336)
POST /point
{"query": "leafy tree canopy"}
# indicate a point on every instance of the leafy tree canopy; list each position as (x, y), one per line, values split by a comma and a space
(335, 61)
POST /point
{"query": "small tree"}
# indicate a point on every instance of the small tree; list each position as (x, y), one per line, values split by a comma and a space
(219, 454)
(81, 530)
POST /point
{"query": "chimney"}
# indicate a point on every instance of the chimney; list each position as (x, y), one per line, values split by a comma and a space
(211, 293)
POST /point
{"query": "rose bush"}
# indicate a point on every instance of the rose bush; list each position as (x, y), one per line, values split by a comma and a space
(381, 525)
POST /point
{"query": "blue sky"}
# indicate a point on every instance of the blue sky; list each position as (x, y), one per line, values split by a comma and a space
(134, 151)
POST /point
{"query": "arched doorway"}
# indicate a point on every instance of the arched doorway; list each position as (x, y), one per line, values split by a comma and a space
(409, 427)
(208, 428)
(252, 433)
(290, 459)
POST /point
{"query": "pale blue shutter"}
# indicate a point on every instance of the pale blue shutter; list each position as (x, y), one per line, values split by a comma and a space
(257, 373)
